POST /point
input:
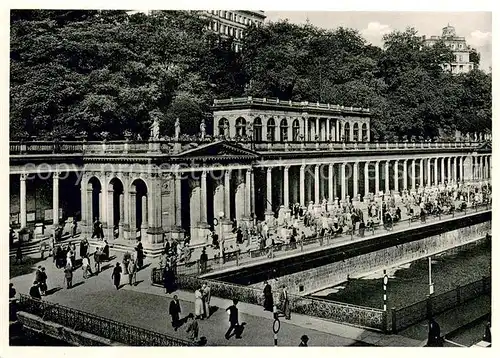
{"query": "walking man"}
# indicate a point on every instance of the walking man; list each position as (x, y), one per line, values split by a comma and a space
(174, 310)
(68, 276)
(132, 268)
(233, 320)
(35, 291)
(116, 275)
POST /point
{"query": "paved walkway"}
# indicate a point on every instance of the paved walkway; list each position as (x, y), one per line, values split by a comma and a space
(147, 306)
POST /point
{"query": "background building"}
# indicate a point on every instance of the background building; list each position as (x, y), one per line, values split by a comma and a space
(234, 22)
(459, 47)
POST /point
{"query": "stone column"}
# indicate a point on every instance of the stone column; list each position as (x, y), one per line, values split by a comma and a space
(343, 186)
(351, 132)
(88, 206)
(327, 129)
(144, 208)
(203, 197)
(83, 208)
(454, 173)
(421, 174)
(22, 200)
(355, 180)
(330, 183)
(481, 168)
(442, 170)
(306, 129)
(302, 180)
(316, 184)
(122, 216)
(387, 178)
(405, 174)
(429, 177)
(436, 171)
(55, 198)
(317, 132)
(133, 213)
(103, 202)
(286, 202)
(413, 174)
(448, 170)
(125, 220)
(227, 194)
(110, 211)
(269, 208)
(178, 200)
(377, 179)
(396, 177)
(154, 205)
(248, 192)
(367, 180)
(461, 168)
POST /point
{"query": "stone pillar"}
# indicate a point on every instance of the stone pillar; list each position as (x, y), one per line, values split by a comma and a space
(396, 177)
(387, 178)
(355, 180)
(22, 200)
(327, 129)
(442, 171)
(317, 131)
(316, 184)
(269, 182)
(421, 174)
(448, 171)
(302, 181)
(413, 174)
(377, 178)
(227, 194)
(286, 202)
(405, 174)
(239, 197)
(124, 205)
(248, 192)
(454, 173)
(103, 202)
(122, 216)
(367, 180)
(203, 197)
(89, 203)
(337, 130)
(133, 213)
(306, 129)
(144, 208)
(481, 168)
(55, 198)
(110, 212)
(178, 200)
(343, 186)
(436, 171)
(429, 177)
(461, 168)
(330, 183)
(83, 209)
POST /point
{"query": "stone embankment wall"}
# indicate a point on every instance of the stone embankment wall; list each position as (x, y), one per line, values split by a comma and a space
(321, 277)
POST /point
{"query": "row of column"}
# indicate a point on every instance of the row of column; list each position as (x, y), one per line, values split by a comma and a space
(451, 169)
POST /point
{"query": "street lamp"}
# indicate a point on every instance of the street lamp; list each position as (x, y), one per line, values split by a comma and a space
(431, 285)
(221, 241)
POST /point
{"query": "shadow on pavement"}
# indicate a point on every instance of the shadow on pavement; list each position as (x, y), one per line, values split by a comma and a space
(53, 290)
(27, 266)
(77, 284)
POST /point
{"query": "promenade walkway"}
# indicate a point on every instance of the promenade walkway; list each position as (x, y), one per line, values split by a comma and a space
(146, 306)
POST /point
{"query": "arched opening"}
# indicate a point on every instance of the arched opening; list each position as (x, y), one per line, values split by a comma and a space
(271, 129)
(223, 127)
(116, 186)
(355, 132)
(94, 189)
(295, 130)
(257, 130)
(346, 133)
(364, 132)
(241, 127)
(283, 130)
(139, 205)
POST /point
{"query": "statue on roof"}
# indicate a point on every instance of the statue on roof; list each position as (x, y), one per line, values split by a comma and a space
(202, 128)
(154, 130)
(177, 127)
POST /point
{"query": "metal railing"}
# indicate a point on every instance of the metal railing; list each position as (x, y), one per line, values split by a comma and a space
(99, 326)
(241, 257)
(435, 304)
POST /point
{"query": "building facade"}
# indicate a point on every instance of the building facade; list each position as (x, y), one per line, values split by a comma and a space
(458, 45)
(233, 23)
(188, 186)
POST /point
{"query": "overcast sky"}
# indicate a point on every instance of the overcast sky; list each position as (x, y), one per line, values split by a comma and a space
(476, 27)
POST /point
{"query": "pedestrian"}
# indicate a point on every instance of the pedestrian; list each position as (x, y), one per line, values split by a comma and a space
(132, 269)
(193, 327)
(68, 276)
(487, 333)
(139, 255)
(205, 291)
(97, 260)
(203, 260)
(43, 281)
(35, 291)
(268, 297)
(116, 275)
(233, 320)
(303, 341)
(19, 254)
(174, 310)
(105, 251)
(198, 303)
(69, 258)
(434, 339)
(84, 247)
(86, 267)
(285, 303)
(12, 291)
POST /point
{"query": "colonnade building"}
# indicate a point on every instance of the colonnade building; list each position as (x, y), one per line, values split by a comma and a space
(263, 156)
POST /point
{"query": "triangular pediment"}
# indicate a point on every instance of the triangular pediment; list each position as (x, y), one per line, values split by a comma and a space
(219, 149)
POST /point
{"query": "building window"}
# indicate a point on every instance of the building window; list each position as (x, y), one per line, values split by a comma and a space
(355, 132)
(257, 130)
(295, 130)
(241, 127)
(346, 133)
(364, 132)
(223, 127)
(460, 58)
(283, 130)
(271, 128)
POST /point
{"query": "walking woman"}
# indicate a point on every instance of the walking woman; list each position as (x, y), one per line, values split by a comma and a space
(132, 269)
(116, 275)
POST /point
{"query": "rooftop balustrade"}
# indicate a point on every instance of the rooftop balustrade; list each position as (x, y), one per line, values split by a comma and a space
(176, 146)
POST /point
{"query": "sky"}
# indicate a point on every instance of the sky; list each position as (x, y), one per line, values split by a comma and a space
(476, 27)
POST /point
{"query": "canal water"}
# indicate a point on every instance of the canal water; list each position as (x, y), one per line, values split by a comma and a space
(410, 283)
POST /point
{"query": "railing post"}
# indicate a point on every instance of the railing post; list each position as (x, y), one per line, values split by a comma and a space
(394, 322)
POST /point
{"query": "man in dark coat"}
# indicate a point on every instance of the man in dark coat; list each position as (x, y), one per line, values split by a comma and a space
(168, 279)
(84, 246)
(174, 310)
(116, 275)
(268, 297)
(303, 341)
(105, 251)
(139, 255)
(434, 339)
(68, 276)
(233, 320)
(203, 260)
(35, 291)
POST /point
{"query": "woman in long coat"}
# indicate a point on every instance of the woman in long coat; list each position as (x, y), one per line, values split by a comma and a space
(116, 275)
(198, 303)
(268, 297)
(139, 255)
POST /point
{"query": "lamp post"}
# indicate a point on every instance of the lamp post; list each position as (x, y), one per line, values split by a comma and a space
(386, 281)
(221, 241)
(431, 285)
